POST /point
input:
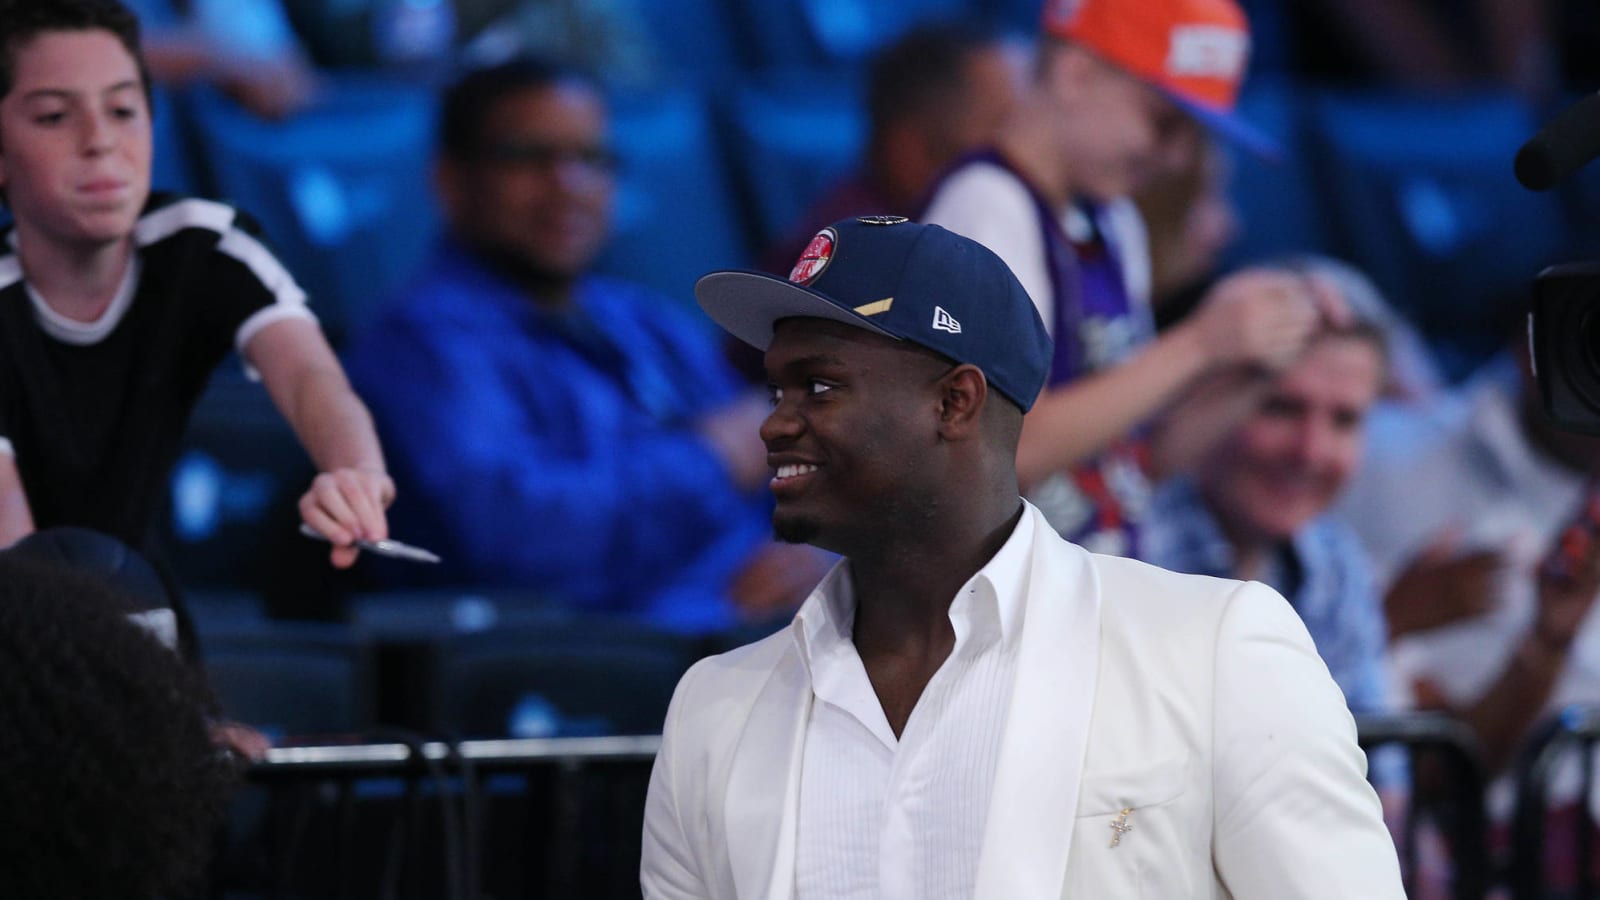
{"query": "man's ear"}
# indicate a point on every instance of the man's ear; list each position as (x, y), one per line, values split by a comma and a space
(963, 393)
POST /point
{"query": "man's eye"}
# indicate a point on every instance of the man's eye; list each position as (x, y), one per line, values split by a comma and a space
(817, 387)
(52, 118)
(774, 394)
(125, 112)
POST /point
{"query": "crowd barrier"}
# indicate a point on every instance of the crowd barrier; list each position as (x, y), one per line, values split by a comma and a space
(407, 818)
(1446, 799)
(1553, 830)
(561, 817)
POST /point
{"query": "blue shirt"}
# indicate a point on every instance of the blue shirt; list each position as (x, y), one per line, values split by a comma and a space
(1323, 572)
(558, 450)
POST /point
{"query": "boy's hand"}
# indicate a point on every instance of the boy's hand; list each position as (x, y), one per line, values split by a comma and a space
(1265, 317)
(346, 505)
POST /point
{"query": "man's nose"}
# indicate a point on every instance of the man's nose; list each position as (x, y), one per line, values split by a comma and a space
(577, 175)
(1316, 443)
(780, 425)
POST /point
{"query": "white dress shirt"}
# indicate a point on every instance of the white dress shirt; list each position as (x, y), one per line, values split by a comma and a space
(881, 817)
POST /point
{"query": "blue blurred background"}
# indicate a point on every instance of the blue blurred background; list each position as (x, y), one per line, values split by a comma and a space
(732, 116)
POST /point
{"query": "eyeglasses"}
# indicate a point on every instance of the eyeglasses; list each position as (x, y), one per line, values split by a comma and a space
(549, 157)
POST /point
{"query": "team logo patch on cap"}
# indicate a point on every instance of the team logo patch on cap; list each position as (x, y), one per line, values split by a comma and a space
(1207, 51)
(814, 258)
(882, 220)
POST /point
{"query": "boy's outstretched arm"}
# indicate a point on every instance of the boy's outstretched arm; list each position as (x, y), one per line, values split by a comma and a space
(348, 498)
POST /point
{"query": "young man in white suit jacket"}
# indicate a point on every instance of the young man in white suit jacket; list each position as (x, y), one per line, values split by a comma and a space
(970, 706)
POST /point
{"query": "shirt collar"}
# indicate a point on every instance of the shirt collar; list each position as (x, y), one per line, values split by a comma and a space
(992, 601)
(72, 331)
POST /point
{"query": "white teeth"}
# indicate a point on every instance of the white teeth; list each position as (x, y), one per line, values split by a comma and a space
(793, 470)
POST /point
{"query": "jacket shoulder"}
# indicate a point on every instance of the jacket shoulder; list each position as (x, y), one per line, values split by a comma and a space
(717, 686)
(1134, 587)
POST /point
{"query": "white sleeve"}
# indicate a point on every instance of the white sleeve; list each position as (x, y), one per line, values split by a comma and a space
(288, 300)
(1294, 814)
(988, 204)
(668, 864)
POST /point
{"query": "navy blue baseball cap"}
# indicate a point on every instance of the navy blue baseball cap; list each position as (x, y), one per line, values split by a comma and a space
(903, 280)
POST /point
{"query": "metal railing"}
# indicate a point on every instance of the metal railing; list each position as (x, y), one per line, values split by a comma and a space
(1447, 793)
(404, 817)
(568, 823)
(1575, 731)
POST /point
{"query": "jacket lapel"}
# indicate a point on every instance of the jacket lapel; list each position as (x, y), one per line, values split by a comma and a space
(1035, 798)
(764, 785)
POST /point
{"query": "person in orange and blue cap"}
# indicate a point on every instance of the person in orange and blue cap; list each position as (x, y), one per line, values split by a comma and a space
(1122, 91)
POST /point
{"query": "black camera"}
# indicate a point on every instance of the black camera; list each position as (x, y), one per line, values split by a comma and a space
(1564, 333)
(1564, 326)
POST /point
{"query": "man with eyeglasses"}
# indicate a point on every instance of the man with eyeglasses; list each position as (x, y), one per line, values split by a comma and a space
(562, 431)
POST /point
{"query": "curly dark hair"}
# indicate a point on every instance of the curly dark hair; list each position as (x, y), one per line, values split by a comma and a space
(110, 785)
(23, 20)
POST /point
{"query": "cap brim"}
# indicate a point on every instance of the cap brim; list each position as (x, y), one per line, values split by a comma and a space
(1232, 129)
(747, 304)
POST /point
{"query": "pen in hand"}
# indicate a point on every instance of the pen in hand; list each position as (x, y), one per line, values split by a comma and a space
(394, 549)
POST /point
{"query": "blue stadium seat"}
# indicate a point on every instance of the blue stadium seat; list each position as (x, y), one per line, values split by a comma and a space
(341, 189)
(1424, 199)
(234, 487)
(418, 615)
(289, 678)
(590, 676)
(793, 134)
(1270, 41)
(223, 608)
(675, 214)
(172, 167)
(694, 39)
(813, 33)
(1278, 200)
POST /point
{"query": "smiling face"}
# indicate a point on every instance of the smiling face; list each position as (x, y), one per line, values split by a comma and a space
(854, 423)
(75, 138)
(1288, 461)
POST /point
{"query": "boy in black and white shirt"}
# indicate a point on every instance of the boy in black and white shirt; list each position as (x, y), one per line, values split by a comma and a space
(115, 306)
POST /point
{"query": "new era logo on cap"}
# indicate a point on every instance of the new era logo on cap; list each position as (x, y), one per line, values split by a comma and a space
(943, 321)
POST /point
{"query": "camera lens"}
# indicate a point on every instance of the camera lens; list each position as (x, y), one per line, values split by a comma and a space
(1584, 354)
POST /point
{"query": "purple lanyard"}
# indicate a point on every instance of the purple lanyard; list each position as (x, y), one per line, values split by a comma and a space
(1095, 326)
(1091, 297)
